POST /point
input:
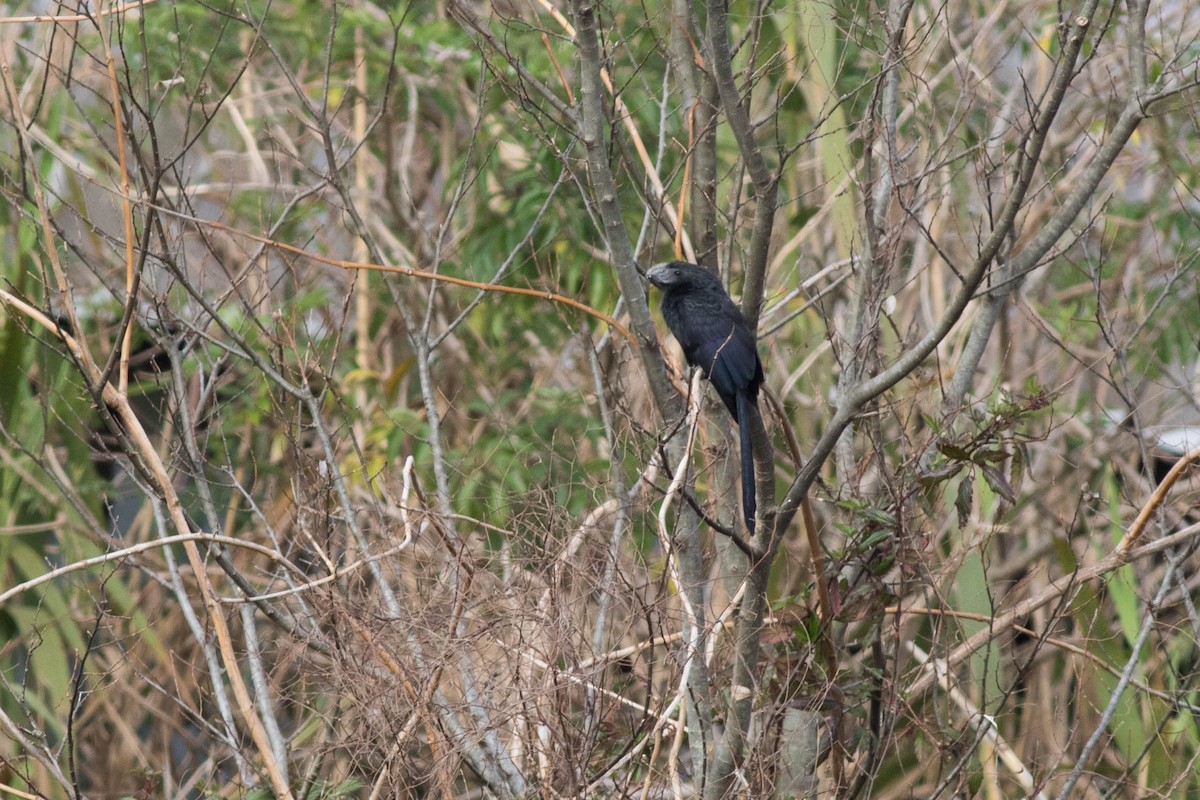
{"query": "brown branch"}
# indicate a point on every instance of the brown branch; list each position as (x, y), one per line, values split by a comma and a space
(411, 272)
(131, 274)
(60, 18)
(1067, 583)
(1156, 499)
(1062, 644)
(165, 489)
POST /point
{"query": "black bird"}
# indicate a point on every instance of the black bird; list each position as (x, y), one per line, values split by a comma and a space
(715, 337)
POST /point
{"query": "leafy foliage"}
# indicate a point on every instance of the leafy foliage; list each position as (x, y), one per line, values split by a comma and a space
(370, 268)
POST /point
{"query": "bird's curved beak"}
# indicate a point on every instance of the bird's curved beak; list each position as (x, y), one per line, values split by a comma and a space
(656, 275)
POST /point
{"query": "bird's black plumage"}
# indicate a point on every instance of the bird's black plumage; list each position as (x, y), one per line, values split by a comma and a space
(715, 337)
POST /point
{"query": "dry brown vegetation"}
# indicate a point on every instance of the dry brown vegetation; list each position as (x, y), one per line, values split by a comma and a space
(341, 454)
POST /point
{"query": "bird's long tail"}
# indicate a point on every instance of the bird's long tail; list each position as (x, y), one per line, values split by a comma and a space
(749, 501)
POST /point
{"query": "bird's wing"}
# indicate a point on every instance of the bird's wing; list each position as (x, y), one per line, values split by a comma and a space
(729, 357)
(730, 361)
(714, 337)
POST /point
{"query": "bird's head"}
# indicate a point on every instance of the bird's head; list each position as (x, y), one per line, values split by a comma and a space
(676, 274)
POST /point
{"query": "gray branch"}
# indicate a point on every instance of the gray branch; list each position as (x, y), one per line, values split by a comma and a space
(666, 399)
(765, 182)
(1131, 666)
(1131, 115)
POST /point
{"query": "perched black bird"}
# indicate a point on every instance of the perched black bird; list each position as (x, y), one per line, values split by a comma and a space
(715, 337)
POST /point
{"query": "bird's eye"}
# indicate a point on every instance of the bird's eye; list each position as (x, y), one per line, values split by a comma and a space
(678, 272)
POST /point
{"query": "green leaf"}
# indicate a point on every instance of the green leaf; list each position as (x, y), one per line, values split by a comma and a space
(953, 451)
(964, 500)
(998, 483)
